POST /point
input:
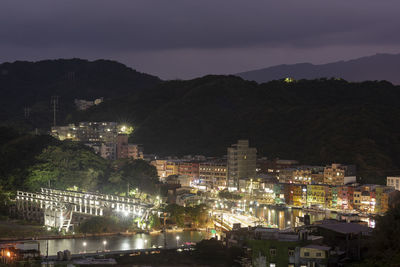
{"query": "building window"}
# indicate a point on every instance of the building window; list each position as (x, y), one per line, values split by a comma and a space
(319, 254)
(272, 251)
(306, 254)
(272, 265)
(291, 252)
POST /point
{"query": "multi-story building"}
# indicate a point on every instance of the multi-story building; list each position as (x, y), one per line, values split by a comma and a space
(172, 167)
(241, 163)
(108, 151)
(126, 150)
(316, 195)
(301, 175)
(338, 174)
(334, 193)
(135, 151)
(102, 137)
(161, 166)
(385, 198)
(190, 169)
(214, 173)
(393, 181)
(122, 146)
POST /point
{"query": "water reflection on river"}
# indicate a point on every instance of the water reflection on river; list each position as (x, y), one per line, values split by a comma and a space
(138, 241)
(282, 217)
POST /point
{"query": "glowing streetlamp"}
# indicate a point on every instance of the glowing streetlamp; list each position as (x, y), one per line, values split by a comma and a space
(177, 240)
(84, 246)
(104, 244)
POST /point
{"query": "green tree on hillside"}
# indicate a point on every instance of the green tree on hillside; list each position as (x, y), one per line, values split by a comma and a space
(67, 165)
(128, 173)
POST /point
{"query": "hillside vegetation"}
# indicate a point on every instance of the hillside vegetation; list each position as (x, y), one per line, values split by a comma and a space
(31, 84)
(315, 121)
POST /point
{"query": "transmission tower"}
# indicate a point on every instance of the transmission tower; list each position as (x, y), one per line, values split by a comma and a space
(54, 103)
(27, 112)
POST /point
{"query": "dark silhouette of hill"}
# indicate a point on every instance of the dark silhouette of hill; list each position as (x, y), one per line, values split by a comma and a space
(378, 67)
(316, 121)
(31, 84)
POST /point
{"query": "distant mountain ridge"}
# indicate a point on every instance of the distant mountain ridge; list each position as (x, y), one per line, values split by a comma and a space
(377, 67)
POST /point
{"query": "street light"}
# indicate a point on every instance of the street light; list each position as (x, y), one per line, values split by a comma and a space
(177, 240)
(104, 244)
(84, 246)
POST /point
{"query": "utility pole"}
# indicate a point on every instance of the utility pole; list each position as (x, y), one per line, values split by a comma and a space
(54, 102)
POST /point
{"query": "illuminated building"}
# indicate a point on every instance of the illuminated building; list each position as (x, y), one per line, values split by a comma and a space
(316, 195)
(126, 150)
(214, 173)
(393, 181)
(161, 166)
(241, 163)
(338, 174)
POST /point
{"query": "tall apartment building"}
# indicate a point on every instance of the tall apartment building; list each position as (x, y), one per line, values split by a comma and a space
(213, 173)
(122, 146)
(338, 174)
(393, 181)
(241, 163)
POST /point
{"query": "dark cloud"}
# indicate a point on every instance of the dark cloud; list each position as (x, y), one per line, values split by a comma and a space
(129, 30)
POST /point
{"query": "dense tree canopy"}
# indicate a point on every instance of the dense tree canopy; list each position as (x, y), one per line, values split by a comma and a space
(30, 162)
(384, 245)
(67, 165)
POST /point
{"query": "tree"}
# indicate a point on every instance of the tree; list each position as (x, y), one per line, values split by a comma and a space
(177, 214)
(155, 221)
(67, 165)
(384, 246)
(133, 174)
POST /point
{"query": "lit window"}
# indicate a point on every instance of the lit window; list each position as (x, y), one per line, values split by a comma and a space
(272, 265)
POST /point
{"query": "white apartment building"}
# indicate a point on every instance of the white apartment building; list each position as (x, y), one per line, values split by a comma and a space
(393, 181)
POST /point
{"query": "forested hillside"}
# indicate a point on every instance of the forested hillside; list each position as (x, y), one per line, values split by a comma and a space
(316, 121)
(30, 85)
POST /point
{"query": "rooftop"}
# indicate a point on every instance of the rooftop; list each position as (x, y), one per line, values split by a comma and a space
(346, 228)
(318, 247)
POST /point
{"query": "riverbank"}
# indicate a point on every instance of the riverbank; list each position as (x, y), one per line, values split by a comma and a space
(15, 230)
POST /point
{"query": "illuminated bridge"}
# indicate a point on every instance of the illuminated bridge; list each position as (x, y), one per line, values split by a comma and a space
(225, 220)
(62, 209)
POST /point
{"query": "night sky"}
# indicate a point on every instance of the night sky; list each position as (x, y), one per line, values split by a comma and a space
(185, 38)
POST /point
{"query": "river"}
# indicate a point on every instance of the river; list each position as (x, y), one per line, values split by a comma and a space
(283, 218)
(138, 241)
